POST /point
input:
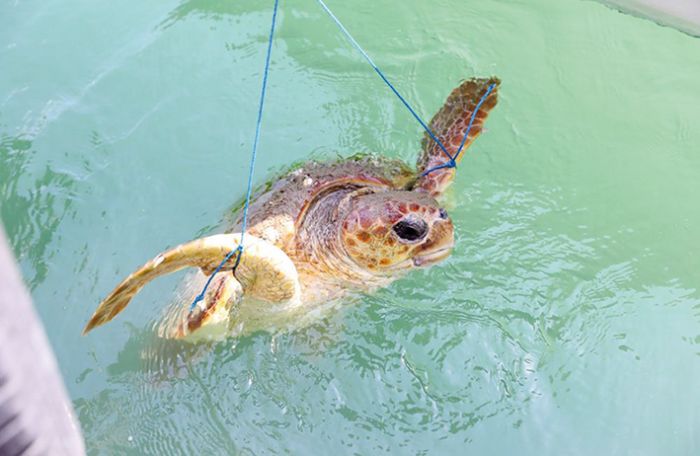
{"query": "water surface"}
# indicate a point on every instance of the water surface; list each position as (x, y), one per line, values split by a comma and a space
(567, 320)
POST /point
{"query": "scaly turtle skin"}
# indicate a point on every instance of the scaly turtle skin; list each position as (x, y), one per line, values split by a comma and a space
(325, 229)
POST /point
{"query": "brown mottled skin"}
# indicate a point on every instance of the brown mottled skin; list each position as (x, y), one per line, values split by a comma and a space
(327, 217)
(355, 224)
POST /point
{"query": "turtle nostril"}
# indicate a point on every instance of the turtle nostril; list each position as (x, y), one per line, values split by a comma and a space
(411, 230)
(443, 214)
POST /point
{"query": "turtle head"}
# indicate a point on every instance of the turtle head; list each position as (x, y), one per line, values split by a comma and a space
(391, 231)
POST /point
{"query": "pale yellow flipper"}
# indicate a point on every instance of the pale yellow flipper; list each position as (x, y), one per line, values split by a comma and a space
(264, 272)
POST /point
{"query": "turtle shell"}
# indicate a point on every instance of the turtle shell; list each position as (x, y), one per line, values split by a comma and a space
(279, 207)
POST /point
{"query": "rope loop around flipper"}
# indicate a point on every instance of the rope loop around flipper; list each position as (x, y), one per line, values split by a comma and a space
(200, 296)
(473, 117)
(449, 164)
(251, 170)
(452, 163)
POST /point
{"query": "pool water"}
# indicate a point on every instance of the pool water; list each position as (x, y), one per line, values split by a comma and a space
(567, 321)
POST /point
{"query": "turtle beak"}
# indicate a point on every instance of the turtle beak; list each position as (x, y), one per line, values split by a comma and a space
(431, 258)
(437, 246)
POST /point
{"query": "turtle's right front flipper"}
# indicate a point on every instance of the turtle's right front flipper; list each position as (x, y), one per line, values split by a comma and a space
(473, 99)
(264, 272)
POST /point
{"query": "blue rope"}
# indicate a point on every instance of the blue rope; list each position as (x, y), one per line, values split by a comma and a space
(471, 121)
(381, 75)
(453, 162)
(251, 169)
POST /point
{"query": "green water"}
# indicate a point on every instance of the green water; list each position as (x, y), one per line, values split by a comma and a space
(567, 321)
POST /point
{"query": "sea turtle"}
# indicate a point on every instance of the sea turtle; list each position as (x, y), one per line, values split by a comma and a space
(325, 229)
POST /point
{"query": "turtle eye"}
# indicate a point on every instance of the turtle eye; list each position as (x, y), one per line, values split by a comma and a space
(411, 230)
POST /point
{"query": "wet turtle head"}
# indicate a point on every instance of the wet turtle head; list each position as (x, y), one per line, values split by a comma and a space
(392, 231)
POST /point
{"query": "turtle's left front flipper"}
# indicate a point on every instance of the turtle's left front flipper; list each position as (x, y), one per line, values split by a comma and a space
(474, 98)
(264, 272)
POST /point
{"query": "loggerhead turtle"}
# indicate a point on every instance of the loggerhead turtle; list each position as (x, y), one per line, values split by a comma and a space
(325, 229)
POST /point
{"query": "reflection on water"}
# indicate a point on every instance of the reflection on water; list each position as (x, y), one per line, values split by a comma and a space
(31, 212)
(435, 363)
(212, 10)
(565, 322)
